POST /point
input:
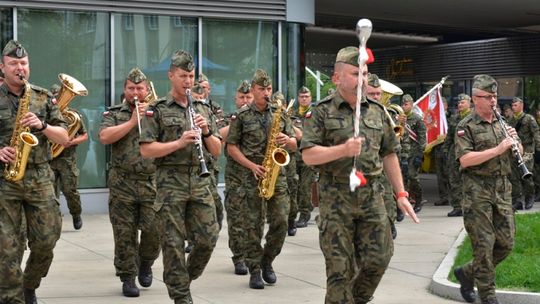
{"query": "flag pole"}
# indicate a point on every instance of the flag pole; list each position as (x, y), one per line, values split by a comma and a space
(431, 90)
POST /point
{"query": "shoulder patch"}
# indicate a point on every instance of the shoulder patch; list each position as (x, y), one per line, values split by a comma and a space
(149, 113)
(106, 114)
(460, 133)
(54, 101)
(308, 115)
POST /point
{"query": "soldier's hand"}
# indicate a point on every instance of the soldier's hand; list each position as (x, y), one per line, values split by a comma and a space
(32, 121)
(201, 123)
(405, 206)
(282, 139)
(504, 145)
(189, 137)
(512, 132)
(258, 171)
(7, 154)
(402, 119)
(353, 146)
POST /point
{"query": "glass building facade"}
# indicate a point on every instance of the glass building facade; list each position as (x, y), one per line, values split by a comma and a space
(99, 48)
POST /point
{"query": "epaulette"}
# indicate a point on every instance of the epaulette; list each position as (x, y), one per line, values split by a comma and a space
(41, 90)
(371, 101)
(242, 109)
(112, 108)
(324, 100)
(201, 102)
(159, 100)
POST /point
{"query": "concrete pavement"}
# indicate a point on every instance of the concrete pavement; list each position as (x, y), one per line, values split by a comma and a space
(83, 272)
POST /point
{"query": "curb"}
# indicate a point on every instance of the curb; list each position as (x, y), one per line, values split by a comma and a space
(442, 287)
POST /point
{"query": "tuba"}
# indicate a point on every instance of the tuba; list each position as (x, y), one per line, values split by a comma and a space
(21, 139)
(274, 157)
(71, 87)
(390, 90)
(152, 95)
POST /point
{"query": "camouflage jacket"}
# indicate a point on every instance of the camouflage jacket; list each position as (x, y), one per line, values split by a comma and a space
(249, 130)
(69, 152)
(126, 154)
(475, 134)
(41, 104)
(167, 120)
(453, 120)
(331, 124)
(528, 132)
(414, 147)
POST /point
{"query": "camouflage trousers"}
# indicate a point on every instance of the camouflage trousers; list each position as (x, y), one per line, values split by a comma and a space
(355, 238)
(412, 180)
(522, 187)
(455, 181)
(293, 186)
(29, 201)
(440, 157)
(390, 203)
(489, 221)
(66, 179)
(217, 198)
(235, 206)
(186, 211)
(307, 178)
(275, 211)
(131, 208)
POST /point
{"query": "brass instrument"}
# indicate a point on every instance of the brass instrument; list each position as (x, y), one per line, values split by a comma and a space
(71, 87)
(390, 90)
(152, 95)
(274, 157)
(525, 174)
(204, 169)
(21, 139)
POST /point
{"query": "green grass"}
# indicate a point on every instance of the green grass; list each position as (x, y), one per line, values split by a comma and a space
(520, 271)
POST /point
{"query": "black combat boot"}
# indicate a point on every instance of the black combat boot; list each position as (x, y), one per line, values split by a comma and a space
(529, 202)
(145, 273)
(291, 230)
(255, 280)
(394, 230)
(240, 268)
(268, 274)
(303, 221)
(467, 286)
(30, 296)
(77, 222)
(399, 215)
(455, 212)
(518, 204)
(418, 205)
(129, 288)
(491, 301)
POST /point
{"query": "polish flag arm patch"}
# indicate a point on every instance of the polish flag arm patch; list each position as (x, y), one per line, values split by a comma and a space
(106, 113)
(149, 113)
(308, 114)
(461, 133)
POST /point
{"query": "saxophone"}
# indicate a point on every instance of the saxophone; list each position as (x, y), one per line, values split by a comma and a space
(274, 157)
(21, 139)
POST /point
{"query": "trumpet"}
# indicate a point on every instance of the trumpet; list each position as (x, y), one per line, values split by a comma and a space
(198, 143)
(525, 174)
(390, 90)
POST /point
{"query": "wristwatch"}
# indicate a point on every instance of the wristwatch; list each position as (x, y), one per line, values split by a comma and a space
(45, 125)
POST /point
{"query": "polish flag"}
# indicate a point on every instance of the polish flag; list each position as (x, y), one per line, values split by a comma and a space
(431, 108)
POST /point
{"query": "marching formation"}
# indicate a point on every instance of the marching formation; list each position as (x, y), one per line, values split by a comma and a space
(354, 155)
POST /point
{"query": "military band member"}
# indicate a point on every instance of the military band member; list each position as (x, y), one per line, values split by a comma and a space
(184, 199)
(132, 188)
(485, 157)
(246, 144)
(30, 199)
(439, 155)
(354, 231)
(527, 129)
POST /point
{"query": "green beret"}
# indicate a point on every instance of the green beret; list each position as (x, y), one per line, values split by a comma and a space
(304, 90)
(406, 98)
(55, 88)
(197, 89)
(244, 87)
(517, 99)
(182, 59)
(14, 49)
(202, 78)
(373, 80)
(348, 55)
(463, 96)
(136, 76)
(261, 78)
(485, 83)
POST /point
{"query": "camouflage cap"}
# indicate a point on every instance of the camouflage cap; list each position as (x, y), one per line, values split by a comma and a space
(182, 59)
(202, 78)
(278, 96)
(517, 99)
(406, 98)
(304, 90)
(348, 55)
(261, 78)
(485, 83)
(373, 80)
(55, 88)
(136, 75)
(14, 49)
(197, 89)
(463, 96)
(244, 87)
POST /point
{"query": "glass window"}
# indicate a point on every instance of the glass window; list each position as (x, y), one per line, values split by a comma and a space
(6, 26)
(150, 50)
(77, 44)
(531, 94)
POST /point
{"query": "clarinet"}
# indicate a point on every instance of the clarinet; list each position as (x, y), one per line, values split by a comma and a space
(525, 174)
(198, 143)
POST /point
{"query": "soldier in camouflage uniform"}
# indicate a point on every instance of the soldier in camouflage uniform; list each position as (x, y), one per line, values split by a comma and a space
(414, 144)
(235, 194)
(374, 92)
(213, 165)
(528, 131)
(485, 157)
(132, 188)
(184, 201)
(536, 174)
(66, 174)
(439, 155)
(455, 183)
(307, 175)
(354, 232)
(32, 198)
(246, 144)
